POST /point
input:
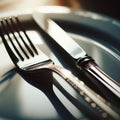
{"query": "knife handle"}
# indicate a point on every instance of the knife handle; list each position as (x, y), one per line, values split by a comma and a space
(106, 85)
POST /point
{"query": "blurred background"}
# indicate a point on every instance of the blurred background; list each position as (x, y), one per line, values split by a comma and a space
(106, 7)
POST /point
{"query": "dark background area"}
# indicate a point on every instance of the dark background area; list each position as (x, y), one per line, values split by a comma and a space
(106, 7)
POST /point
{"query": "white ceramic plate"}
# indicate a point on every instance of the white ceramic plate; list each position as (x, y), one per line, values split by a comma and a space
(97, 34)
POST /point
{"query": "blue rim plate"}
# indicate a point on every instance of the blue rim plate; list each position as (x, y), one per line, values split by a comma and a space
(97, 34)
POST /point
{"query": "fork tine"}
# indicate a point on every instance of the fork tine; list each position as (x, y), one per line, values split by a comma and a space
(32, 45)
(9, 50)
(5, 41)
(11, 29)
(12, 25)
(18, 31)
(17, 28)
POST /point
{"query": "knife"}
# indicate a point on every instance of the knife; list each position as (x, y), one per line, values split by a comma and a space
(70, 49)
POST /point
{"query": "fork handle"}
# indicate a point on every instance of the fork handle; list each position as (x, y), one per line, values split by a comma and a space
(98, 104)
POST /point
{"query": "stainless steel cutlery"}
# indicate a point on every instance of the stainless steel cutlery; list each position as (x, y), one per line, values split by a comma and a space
(71, 51)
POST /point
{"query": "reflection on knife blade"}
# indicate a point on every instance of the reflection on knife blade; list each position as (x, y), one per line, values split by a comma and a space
(107, 86)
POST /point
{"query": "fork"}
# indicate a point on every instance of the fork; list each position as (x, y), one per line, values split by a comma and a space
(33, 65)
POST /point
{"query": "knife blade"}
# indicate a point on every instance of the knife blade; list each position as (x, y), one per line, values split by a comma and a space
(79, 57)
